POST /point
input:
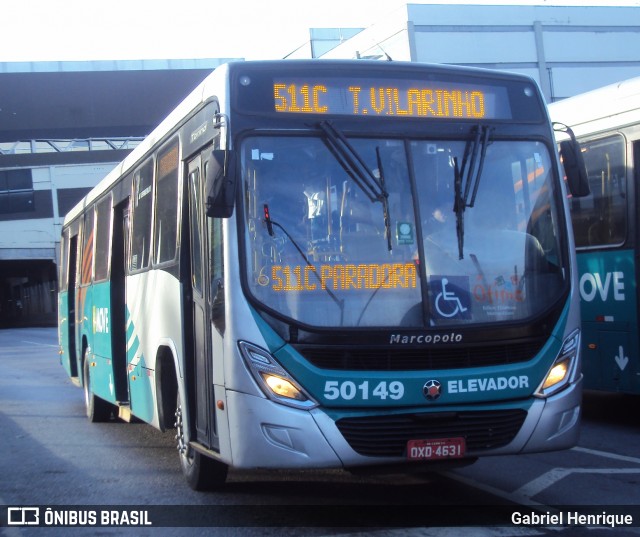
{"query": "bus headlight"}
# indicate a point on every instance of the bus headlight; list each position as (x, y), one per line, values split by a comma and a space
(274, 381)
(561, 371)
(282, 387)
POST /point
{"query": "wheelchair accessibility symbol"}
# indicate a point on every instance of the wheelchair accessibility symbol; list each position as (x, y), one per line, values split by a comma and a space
(452, 296)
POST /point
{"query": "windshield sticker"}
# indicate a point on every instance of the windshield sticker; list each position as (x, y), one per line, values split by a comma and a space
(450, 297)
(500, 297)
(404, 233)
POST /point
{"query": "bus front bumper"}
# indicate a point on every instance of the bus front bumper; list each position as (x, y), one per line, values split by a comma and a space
(265, 434)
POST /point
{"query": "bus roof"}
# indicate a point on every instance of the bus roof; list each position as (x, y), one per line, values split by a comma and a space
(605, 108)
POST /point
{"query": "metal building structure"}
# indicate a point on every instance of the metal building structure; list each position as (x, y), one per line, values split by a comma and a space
(63, 127)
(567, 49)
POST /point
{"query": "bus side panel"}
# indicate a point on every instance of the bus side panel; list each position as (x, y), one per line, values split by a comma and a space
(153, 319)
(98, 326)
(609, 320)
(140, 299)
(83, 322)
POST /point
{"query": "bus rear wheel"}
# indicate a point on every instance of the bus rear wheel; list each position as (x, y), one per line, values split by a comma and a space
(201, 472)
(98, 410)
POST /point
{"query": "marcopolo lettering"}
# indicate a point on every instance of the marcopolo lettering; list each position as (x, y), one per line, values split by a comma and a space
(488, 384)
(425, 339)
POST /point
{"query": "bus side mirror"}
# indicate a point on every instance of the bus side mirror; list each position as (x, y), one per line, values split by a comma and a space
(220, 184)
(574, 168)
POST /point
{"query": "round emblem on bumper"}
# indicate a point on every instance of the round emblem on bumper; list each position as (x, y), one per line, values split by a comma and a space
(432, 390)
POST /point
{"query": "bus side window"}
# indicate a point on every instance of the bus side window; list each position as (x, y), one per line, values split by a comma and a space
(86, 264)
(216, 272)
(166, 200)
(141, 218)
(600, 219)
(102, 234)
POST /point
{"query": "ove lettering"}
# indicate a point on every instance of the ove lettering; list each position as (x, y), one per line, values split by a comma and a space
(591, 285)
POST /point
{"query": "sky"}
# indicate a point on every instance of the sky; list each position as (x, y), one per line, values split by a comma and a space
(78, 30)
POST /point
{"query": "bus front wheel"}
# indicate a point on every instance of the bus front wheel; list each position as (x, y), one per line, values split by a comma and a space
(98, 410)
(200, 471)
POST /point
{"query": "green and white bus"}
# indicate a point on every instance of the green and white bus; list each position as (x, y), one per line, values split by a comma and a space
(607, 124)
(319, 264)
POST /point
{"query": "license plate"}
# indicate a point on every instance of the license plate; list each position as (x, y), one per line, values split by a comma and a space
(436, 448)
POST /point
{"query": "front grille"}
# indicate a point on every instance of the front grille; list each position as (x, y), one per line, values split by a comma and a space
(402, 359)
(387, 436)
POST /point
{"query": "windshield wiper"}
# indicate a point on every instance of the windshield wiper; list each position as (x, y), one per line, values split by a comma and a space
(385, 201)
(467, 179)
(362, 176)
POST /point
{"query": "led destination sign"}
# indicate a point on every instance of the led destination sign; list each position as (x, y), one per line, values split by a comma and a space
(390, 98)
(343, 277)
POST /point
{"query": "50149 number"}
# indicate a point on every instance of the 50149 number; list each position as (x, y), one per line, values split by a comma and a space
(348, 390)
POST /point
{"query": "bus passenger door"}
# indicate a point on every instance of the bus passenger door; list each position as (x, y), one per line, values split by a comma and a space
(199, 364)
(118, 294)
(71, 305)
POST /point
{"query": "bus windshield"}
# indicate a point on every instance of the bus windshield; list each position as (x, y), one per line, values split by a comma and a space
(373, 234)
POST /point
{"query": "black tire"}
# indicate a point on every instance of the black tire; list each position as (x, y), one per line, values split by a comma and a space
(201, 472)
(98, 410)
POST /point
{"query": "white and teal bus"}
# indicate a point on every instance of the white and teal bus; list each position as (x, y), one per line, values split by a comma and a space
(323, 264)
(607, 124)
